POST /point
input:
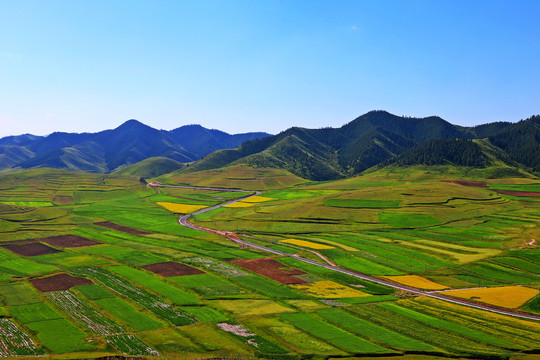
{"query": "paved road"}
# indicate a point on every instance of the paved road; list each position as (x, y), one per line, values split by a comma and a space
(231, 236)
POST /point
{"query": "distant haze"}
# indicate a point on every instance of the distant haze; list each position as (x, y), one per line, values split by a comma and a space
(241, 66)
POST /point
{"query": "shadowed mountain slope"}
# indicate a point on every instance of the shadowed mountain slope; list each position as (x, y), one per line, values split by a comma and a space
(111, 150)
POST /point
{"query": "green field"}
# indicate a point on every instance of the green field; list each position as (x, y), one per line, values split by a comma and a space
(164, 289)
(332, 334)
(406, 222)
(128, 314)
(372, 331)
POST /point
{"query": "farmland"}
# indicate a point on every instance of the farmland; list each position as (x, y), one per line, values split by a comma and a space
(105, 269)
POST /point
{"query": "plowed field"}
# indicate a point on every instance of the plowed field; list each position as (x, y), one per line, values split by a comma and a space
(32, 249)
(272, 269)
(172, 268)
(121, 228)
(58, 282)
(68, 241)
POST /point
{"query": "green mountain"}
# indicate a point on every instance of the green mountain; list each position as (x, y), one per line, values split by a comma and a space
(521, 141)
(379, 137)
(460, 152)
(151, 167)
(331, 153)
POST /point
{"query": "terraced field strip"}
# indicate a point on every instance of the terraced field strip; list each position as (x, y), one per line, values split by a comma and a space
(128, 314)
(417, 282)
(519, 332)
(516, 328)
(412, 328)
(83, 313)
(445, 325)
(33, 312)
(149, 301)
(333, 335)
(175, 295)
(60, 335)
(99, 324)
(519, 264)
(15, 342)
(510, 297)
(373, 332)
(261, 344)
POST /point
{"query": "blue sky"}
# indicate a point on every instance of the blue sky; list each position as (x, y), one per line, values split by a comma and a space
(264, 65)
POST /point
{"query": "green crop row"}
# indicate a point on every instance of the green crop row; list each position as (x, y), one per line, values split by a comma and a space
(149, 281)
(15, 342)
(149, 301)
(372, 331)
(335, 336)
(420, 331)
(444, 325)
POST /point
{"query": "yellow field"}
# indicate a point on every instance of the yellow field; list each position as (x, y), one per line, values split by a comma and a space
(417, 282)
(307, 244)
(256, 199)
(253, 307)
(239, 204)
(181, 208)
(329, 289)
(336, 244)
(506, 296)
(307, 305)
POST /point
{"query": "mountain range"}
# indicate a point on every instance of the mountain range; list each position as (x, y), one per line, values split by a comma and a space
(111, 150)
(379, 137)
(375, 138)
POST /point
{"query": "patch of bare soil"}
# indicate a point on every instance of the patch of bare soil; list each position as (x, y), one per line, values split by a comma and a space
(271, 269)
(470, 183)
(32, 249)
(171, 268)
(59, 282)
(68, 241)
(518, 193)
(63, 200)
(121, 228)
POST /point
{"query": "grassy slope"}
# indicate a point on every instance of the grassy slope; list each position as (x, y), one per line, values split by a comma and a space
(237, 177)
(151, 167)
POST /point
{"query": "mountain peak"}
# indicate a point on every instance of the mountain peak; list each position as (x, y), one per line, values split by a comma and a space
(132, 123)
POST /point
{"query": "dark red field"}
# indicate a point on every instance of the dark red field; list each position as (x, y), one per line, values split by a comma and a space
(68, 241)
(518, 193)
(271, 269)
(59, 282)
(32, 249)
(171, 268)
(121, 228)
(470, 183)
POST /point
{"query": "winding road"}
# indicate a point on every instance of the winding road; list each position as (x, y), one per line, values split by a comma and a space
(233, 237)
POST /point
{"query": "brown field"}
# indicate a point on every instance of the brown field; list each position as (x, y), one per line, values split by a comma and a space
(32, 249)
(63, 200)
(518, 193)
(271, 269)
(471, 183)
(59, 282)
(121, 228)
(68, 241)
(171, 268)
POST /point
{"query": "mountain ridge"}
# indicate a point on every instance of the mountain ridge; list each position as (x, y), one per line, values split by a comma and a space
(371, 139)
(377, 138)
(110, 150)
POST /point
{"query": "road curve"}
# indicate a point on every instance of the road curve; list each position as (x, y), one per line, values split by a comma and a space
(231, 236)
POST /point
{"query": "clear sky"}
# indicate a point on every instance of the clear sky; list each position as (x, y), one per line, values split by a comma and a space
(264, 65)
